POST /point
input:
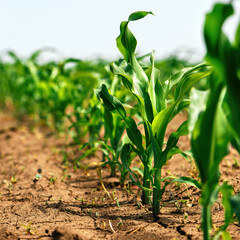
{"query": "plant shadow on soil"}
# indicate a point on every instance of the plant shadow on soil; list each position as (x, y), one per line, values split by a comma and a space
(75, 207)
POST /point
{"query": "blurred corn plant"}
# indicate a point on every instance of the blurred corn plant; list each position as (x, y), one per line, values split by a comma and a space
(70, 87)
(3, 85)
(17, 86)
(214, 119)
(50, 98)
(81, 80)
(151, 95)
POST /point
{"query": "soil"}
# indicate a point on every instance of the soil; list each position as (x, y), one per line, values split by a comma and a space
(67, 203)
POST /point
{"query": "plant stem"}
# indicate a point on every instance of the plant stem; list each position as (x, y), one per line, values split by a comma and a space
(146, 184)
(206, 221)
(156, 193)
(113, 171)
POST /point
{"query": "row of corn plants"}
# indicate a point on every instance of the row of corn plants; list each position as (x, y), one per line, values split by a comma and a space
(133, 103)
(54, 92)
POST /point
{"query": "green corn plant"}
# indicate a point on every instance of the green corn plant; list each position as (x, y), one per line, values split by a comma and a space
(65, 91)
(20, 87)
(111, 143)
(33, 89)
(50, 95)
(113, 134)
(81, 79)
(114, 131)
(3, 84)
(214, 118)
(61, 88)
(151, 96)
(210, 136)
(97, 119)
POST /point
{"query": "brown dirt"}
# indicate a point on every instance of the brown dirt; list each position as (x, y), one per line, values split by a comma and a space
(70, 204)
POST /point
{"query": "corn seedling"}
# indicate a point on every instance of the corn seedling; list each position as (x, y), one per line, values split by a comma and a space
(52, 178)
(151, 96)
(13, 179)
(113, 134)
(29, 229)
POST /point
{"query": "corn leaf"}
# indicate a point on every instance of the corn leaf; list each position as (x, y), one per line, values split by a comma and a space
(189, 181)
(115, 106)
(157, 151)
(108, 123)
(227, 192)
(126, 151)
(198, 105)
(212, 28)
(225, 57)
(160, 123)
(189, 79)
(235, 202)
(155, 88)
(174, 137)
(127, 43)
(110, 102)
(126, 78)
(210, 135)
(138, 15)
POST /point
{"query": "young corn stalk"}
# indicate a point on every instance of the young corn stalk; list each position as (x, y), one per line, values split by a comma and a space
(214, 119)
(114, 132)
(151, 95)
(111, 143)
(114, 129)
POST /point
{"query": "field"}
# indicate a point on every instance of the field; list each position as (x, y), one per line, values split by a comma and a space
(136, 148)
(74, 202)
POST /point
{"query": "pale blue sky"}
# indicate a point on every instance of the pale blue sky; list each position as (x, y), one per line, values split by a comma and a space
(88, 29)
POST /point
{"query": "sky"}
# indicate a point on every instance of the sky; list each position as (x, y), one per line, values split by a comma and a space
(88, 29)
